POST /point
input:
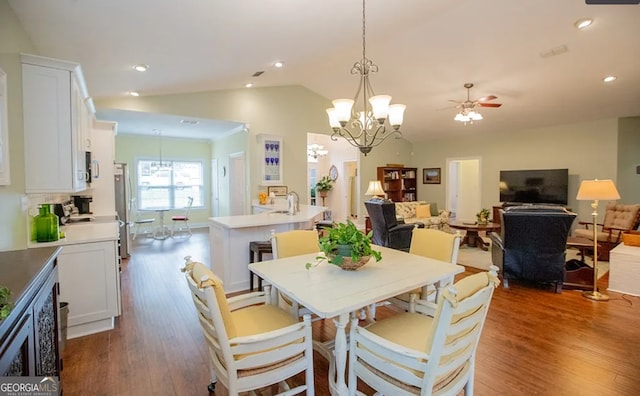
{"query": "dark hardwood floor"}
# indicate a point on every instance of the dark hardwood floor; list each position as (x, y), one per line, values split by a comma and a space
(535, 342)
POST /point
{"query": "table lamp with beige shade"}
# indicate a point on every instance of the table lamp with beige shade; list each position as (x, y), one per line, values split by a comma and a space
(375, 189)
(596, 190)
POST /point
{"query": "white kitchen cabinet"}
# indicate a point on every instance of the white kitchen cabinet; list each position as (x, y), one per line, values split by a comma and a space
(102, 188)
(90, 282)
(56, 113)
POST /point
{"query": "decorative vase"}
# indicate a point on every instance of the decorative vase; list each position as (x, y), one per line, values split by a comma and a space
(323, 194)
(46, 223)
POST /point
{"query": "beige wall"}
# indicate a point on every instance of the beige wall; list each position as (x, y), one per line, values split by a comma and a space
(589, 150)
(129, 148)
(13, 40)
(629, 159)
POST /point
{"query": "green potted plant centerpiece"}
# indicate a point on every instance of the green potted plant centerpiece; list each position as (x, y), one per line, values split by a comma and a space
(483, 216)
(324, 185)
(347, 247)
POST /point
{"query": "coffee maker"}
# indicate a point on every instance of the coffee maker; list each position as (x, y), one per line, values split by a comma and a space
(82, 202)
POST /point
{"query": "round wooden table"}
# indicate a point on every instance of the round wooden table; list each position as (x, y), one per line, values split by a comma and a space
(472, 238)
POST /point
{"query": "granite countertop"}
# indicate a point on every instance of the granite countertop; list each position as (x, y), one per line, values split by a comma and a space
(273, 216)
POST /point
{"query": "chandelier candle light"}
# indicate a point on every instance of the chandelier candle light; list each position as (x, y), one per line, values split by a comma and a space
(365, 128)
(595, 190)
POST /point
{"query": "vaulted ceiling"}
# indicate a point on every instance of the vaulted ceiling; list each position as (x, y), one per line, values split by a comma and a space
(528, 53)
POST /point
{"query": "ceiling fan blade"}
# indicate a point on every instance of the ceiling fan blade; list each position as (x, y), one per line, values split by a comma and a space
(486, 98)
(489, 104)
(454, 101)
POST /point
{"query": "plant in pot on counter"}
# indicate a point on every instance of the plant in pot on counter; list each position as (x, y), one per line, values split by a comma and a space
(346, 246)
(5, 304)
(324, 185)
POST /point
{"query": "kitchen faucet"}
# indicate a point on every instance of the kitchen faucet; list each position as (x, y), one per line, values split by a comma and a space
(293, 203)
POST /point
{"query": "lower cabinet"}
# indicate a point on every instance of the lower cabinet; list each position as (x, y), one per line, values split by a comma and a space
(90, 283)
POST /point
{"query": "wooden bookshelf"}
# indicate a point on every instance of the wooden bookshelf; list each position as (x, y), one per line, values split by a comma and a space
(400, 184)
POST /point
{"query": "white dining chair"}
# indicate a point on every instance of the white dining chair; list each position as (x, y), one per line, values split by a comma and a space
(140, 223)
(251, 343)
(289, 244)
(183, 218)
(413, 353)
(435, 244)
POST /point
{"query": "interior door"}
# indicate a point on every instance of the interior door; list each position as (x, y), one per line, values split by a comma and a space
(463, 188)
(215, 189)
(237, 186)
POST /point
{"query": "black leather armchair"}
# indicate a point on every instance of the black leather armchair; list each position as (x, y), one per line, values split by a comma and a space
(532, 243)
(387, 231)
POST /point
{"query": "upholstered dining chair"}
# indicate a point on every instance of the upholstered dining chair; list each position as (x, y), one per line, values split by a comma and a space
(414, 353)
(251, 343)
(289, 244)
(183, 218)
(139, 223)
(435, 244)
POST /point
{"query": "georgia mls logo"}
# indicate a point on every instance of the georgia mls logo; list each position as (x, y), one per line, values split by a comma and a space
(29, 386)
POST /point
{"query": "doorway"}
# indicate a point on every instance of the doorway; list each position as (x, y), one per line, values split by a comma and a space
(463, 188)
(237, 188)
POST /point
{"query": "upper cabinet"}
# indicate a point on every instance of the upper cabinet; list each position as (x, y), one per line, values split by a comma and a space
(58, 113)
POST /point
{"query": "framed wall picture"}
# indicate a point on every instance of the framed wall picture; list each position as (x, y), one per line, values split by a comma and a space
(271, 158)
(278, 191)
(430, 175)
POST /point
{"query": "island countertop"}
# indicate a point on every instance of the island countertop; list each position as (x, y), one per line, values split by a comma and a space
(274, 216)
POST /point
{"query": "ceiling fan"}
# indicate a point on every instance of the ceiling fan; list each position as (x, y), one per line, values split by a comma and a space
(468, 112)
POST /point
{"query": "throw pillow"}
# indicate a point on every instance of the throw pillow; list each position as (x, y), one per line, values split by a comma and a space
(434, 209)
(423, 211)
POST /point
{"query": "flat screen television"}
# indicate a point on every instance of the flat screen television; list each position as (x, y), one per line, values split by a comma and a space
(544, 186)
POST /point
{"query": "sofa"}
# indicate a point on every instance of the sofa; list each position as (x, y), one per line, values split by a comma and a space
(423, 212)
(532, 242)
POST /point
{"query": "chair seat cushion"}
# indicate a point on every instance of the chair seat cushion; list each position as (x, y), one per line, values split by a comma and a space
(258, 319)
(410, 330)
(179, 218)
(602, 236)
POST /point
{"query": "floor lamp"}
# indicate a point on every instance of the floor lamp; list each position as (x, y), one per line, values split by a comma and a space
(595, 190)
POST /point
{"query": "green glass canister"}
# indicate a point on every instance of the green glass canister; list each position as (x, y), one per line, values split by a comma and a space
(47, 227)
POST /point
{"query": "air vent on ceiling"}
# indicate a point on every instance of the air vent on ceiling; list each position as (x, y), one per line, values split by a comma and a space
(190, 122)
(257, 74)
(554, 51)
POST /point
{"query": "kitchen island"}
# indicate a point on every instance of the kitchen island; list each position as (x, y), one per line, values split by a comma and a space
(230, 236)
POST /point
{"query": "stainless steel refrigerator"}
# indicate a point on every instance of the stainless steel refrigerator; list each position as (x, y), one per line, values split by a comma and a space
(123, 205)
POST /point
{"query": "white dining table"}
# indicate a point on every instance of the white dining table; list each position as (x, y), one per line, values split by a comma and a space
(162, 231)
(331, 292)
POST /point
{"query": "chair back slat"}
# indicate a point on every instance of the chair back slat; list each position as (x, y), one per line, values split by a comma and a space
(246, 363)
(452, 336)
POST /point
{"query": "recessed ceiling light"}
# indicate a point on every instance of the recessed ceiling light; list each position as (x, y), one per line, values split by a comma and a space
(141, 67)
(278, 64)
(609, 79)
(248, 85)
(583, 23)
(134, 93)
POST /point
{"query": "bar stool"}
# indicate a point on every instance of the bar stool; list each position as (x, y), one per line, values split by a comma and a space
(257, 248)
